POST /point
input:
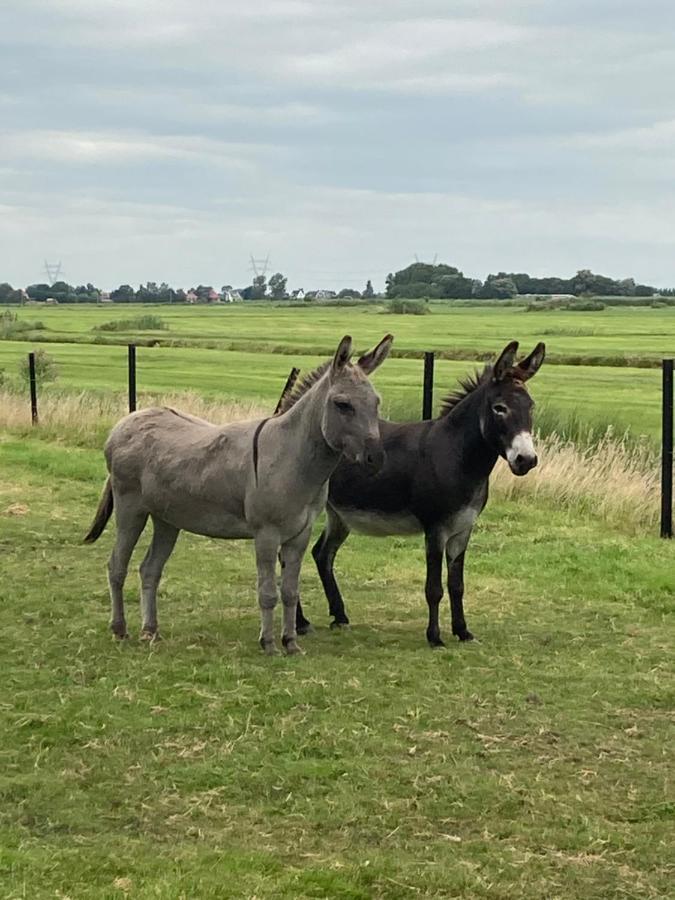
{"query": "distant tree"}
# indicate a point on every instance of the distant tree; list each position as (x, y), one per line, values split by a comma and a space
(39, 291)
(258, 289)
(429, 281)
(644, 290)
(8, 294)
(349, 294)
(368, 291)
(123, 294)
(202, 291)
(497, 287)
(277, 286)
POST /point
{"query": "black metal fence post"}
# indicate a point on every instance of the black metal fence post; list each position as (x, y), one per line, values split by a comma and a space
(132, 377)
(428, 388)
(33, 389)
(667, 450)
(290, 381)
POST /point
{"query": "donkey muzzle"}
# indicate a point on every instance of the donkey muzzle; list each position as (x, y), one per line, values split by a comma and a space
(520, 455)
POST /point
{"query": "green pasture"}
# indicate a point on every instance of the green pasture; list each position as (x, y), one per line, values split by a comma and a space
(536, 763)
(585, 395)
(612, 334)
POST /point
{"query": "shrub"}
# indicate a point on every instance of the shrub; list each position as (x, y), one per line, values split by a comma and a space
(11, 325)
(408, 307)
(46, 369)
(147, 322)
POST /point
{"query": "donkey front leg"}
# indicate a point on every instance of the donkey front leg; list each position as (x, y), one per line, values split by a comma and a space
(266, 552)
(332, 538)
(291, 563)
(434, 585)
(456, 591)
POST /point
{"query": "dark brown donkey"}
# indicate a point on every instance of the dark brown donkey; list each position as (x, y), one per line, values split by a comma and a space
(434, 480)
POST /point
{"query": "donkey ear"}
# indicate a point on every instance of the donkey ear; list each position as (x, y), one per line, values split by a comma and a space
(342, 355)
(529, 366)
(505, 361)
(375, 357)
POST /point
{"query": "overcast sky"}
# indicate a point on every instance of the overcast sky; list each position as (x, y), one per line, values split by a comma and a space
(170, 139)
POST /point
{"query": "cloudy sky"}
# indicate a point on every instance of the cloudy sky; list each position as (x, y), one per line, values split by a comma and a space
(170, 139)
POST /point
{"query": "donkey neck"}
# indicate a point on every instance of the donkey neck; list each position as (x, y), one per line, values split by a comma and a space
(463, 427)
(303, 426)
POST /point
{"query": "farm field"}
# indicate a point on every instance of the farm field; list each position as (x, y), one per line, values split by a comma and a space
(536, 763)
(612, 333)
(626, 398)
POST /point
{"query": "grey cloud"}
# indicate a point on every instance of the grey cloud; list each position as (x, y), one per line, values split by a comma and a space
(171, 139)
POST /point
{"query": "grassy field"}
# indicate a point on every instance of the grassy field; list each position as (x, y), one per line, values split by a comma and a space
(614, 333)
(625, 398)
(536, 763)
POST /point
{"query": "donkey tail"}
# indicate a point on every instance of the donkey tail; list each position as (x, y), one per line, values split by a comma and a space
(103, 513)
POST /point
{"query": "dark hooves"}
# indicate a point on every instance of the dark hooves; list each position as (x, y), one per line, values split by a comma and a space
(437, 642)
(337, 625)
(466, 636)
(305, 628)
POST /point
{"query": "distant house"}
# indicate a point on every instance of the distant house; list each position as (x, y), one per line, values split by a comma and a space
(105, 297)
(325, 295)
(191, 297)
(298, 295)
(230, 295)
(213, 296)
(52, 301)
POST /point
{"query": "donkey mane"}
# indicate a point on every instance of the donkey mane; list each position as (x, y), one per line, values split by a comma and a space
(302, 386)
(467, 386)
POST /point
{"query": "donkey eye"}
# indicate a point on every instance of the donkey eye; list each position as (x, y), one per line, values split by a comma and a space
(500, 409)
(344, 406)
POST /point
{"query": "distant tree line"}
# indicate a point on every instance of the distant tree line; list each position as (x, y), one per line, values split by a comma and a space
(416, 281)
(441, 282)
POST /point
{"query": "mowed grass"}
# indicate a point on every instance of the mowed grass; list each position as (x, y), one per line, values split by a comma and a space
(536, 763)
(599, 396)
(613, 332)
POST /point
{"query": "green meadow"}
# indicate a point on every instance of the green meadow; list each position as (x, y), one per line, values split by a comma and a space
(534, 763)
(612, 333)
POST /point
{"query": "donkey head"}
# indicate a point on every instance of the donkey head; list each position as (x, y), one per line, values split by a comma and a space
(507, 413)
(350, 421)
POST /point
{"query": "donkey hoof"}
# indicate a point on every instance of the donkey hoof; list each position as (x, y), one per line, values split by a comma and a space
(150, 636)
(335, 624)
(436, 643)
(465, 635)
(119, 630)
(269, 647)
(291, 646)
(305, 628)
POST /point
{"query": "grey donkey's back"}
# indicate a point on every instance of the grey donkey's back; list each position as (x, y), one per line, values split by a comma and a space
(264, 479)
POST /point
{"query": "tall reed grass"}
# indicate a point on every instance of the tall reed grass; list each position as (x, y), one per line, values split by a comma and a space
(613, 476)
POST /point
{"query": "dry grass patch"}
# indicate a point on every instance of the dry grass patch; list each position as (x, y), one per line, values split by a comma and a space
(612, 479)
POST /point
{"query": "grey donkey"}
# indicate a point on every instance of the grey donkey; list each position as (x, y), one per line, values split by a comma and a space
(263, 479)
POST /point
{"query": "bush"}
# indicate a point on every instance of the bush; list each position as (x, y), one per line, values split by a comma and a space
(11, 325)
(566, 305)
(46, 369)
(408, 308)
(147, 322)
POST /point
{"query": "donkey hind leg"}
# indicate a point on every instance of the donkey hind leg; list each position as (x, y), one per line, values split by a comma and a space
(292, 554)
(130, 522)
(456, 591)
(164, 538)
(332, 538)
(433, 588)
(266, 553)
